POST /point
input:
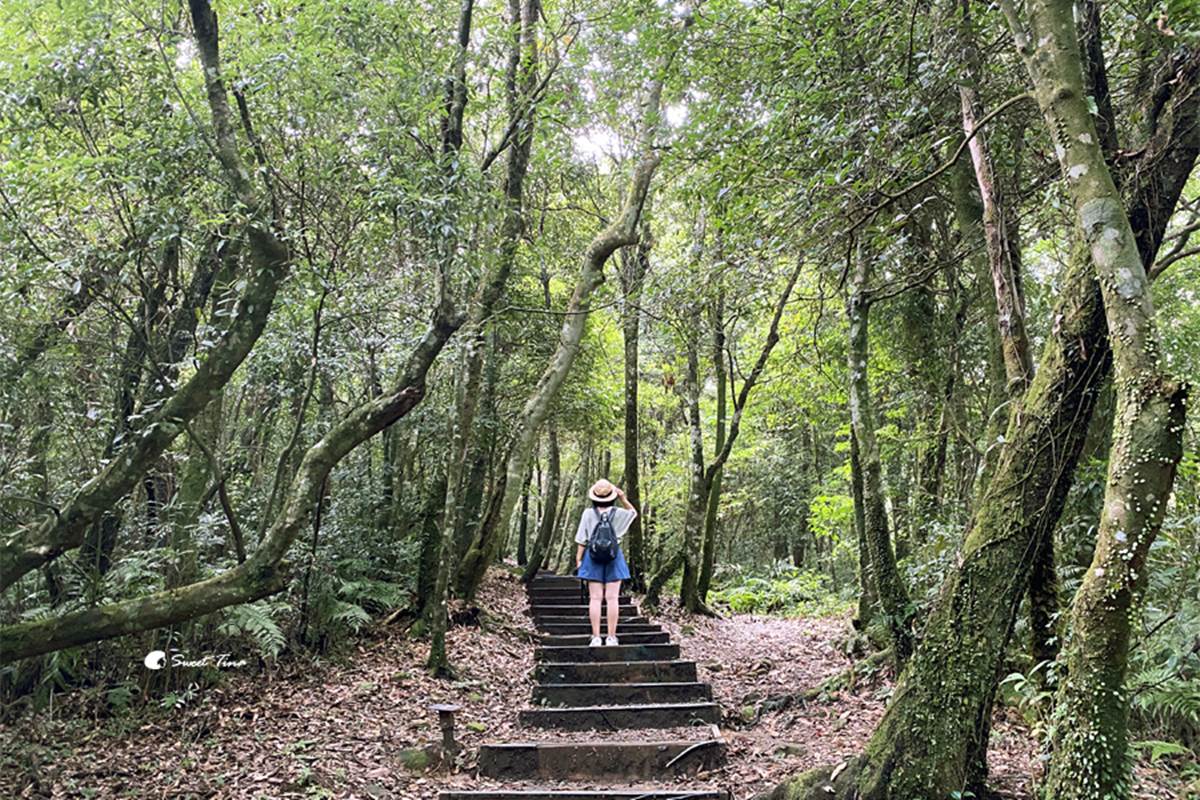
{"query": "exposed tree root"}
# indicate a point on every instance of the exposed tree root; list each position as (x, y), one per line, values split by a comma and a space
(847, 678)
(823, 783)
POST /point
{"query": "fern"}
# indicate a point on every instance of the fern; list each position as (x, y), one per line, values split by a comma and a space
(350, 614)
(254, 621)
(1173, 699)
(1158, 749)
(372, 594)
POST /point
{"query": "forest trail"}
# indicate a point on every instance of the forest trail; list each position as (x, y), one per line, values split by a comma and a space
(638, 685)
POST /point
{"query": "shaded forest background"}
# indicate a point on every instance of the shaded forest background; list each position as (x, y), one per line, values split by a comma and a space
(314, 312)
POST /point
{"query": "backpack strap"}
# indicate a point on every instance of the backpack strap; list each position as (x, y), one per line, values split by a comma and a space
(599, 518)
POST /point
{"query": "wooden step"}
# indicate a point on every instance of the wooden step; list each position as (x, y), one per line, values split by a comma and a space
(616, 672)
(606, 718)
(573, 603)
(582, 639)
(550, 595)
(554, 582)
(619, 652)
(584, 794)
(582, 619)
(590, 694)
(578, 610)
(624, 626)
(613, 761)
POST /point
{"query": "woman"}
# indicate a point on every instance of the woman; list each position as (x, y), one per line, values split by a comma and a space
(604, 580)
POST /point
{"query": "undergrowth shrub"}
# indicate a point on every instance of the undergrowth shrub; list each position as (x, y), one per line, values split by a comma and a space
(783, 591)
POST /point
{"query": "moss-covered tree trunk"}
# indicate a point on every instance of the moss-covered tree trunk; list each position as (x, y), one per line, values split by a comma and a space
(1004, 261)
(885, 577)
(923, 745)
(622, 232)
(520, 77)
(867, 598)
(264, 572)
(714, 491)
(523, 524)
(699, 486)
(1090, 755)
(541, 544)
(38, 543)
(633, 274)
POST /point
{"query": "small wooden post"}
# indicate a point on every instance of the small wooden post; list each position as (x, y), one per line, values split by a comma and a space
(445, 714)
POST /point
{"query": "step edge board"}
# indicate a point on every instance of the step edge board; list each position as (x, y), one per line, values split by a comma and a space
(631, 707)
(602, 744)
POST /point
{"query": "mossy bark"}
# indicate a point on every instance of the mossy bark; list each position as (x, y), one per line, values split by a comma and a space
(922, 747)
(34, 545)
(622, 232)
(541, 544)
(885, 577)
(699, 485)
(1090, 755)
(633, 275)
(521, 72)
(264, 572)
(714, 491)
(867, 598)
(523, 523)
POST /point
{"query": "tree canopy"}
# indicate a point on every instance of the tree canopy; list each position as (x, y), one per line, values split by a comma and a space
(317, 312)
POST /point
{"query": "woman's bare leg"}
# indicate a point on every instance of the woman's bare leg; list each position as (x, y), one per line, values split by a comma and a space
(612, 593)
(595, 596)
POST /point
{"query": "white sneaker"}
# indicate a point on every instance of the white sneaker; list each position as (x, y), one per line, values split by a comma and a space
(595, 642)
(609, 641)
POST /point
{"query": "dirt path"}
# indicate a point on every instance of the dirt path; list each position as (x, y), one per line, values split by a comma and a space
(347, 728)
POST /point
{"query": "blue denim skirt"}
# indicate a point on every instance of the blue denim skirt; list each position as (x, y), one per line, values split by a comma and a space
(615, 570)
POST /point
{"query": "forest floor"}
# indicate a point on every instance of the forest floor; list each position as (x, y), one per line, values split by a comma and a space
(359, 726)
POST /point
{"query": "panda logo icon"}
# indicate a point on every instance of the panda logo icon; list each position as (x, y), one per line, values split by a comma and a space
(155, 659)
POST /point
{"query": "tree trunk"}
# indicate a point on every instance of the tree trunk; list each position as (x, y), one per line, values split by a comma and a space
(922, 747)
(1090, 757)
(633, 275)
(522, 63)
(431, 545)
(523, 530)
(38, 543)
(702, 479)
(1004, 259)
(714, 491)
(968, 216)
(261, 574)
(885, 577)
(867, 597)
(660, 578)
(698, 489)
(622, 232)
(541, 543)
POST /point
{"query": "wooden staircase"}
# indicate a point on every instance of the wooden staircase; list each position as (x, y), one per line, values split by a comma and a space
(639, 684)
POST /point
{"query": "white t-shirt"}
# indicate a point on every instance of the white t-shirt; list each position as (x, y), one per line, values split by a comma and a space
(622, 518)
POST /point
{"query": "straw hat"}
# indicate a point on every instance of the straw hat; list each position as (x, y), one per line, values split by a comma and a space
(602, 492)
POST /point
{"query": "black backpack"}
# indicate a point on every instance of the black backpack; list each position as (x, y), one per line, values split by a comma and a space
(602, 546)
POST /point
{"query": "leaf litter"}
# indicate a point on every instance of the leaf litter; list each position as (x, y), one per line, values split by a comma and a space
(360, 726)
